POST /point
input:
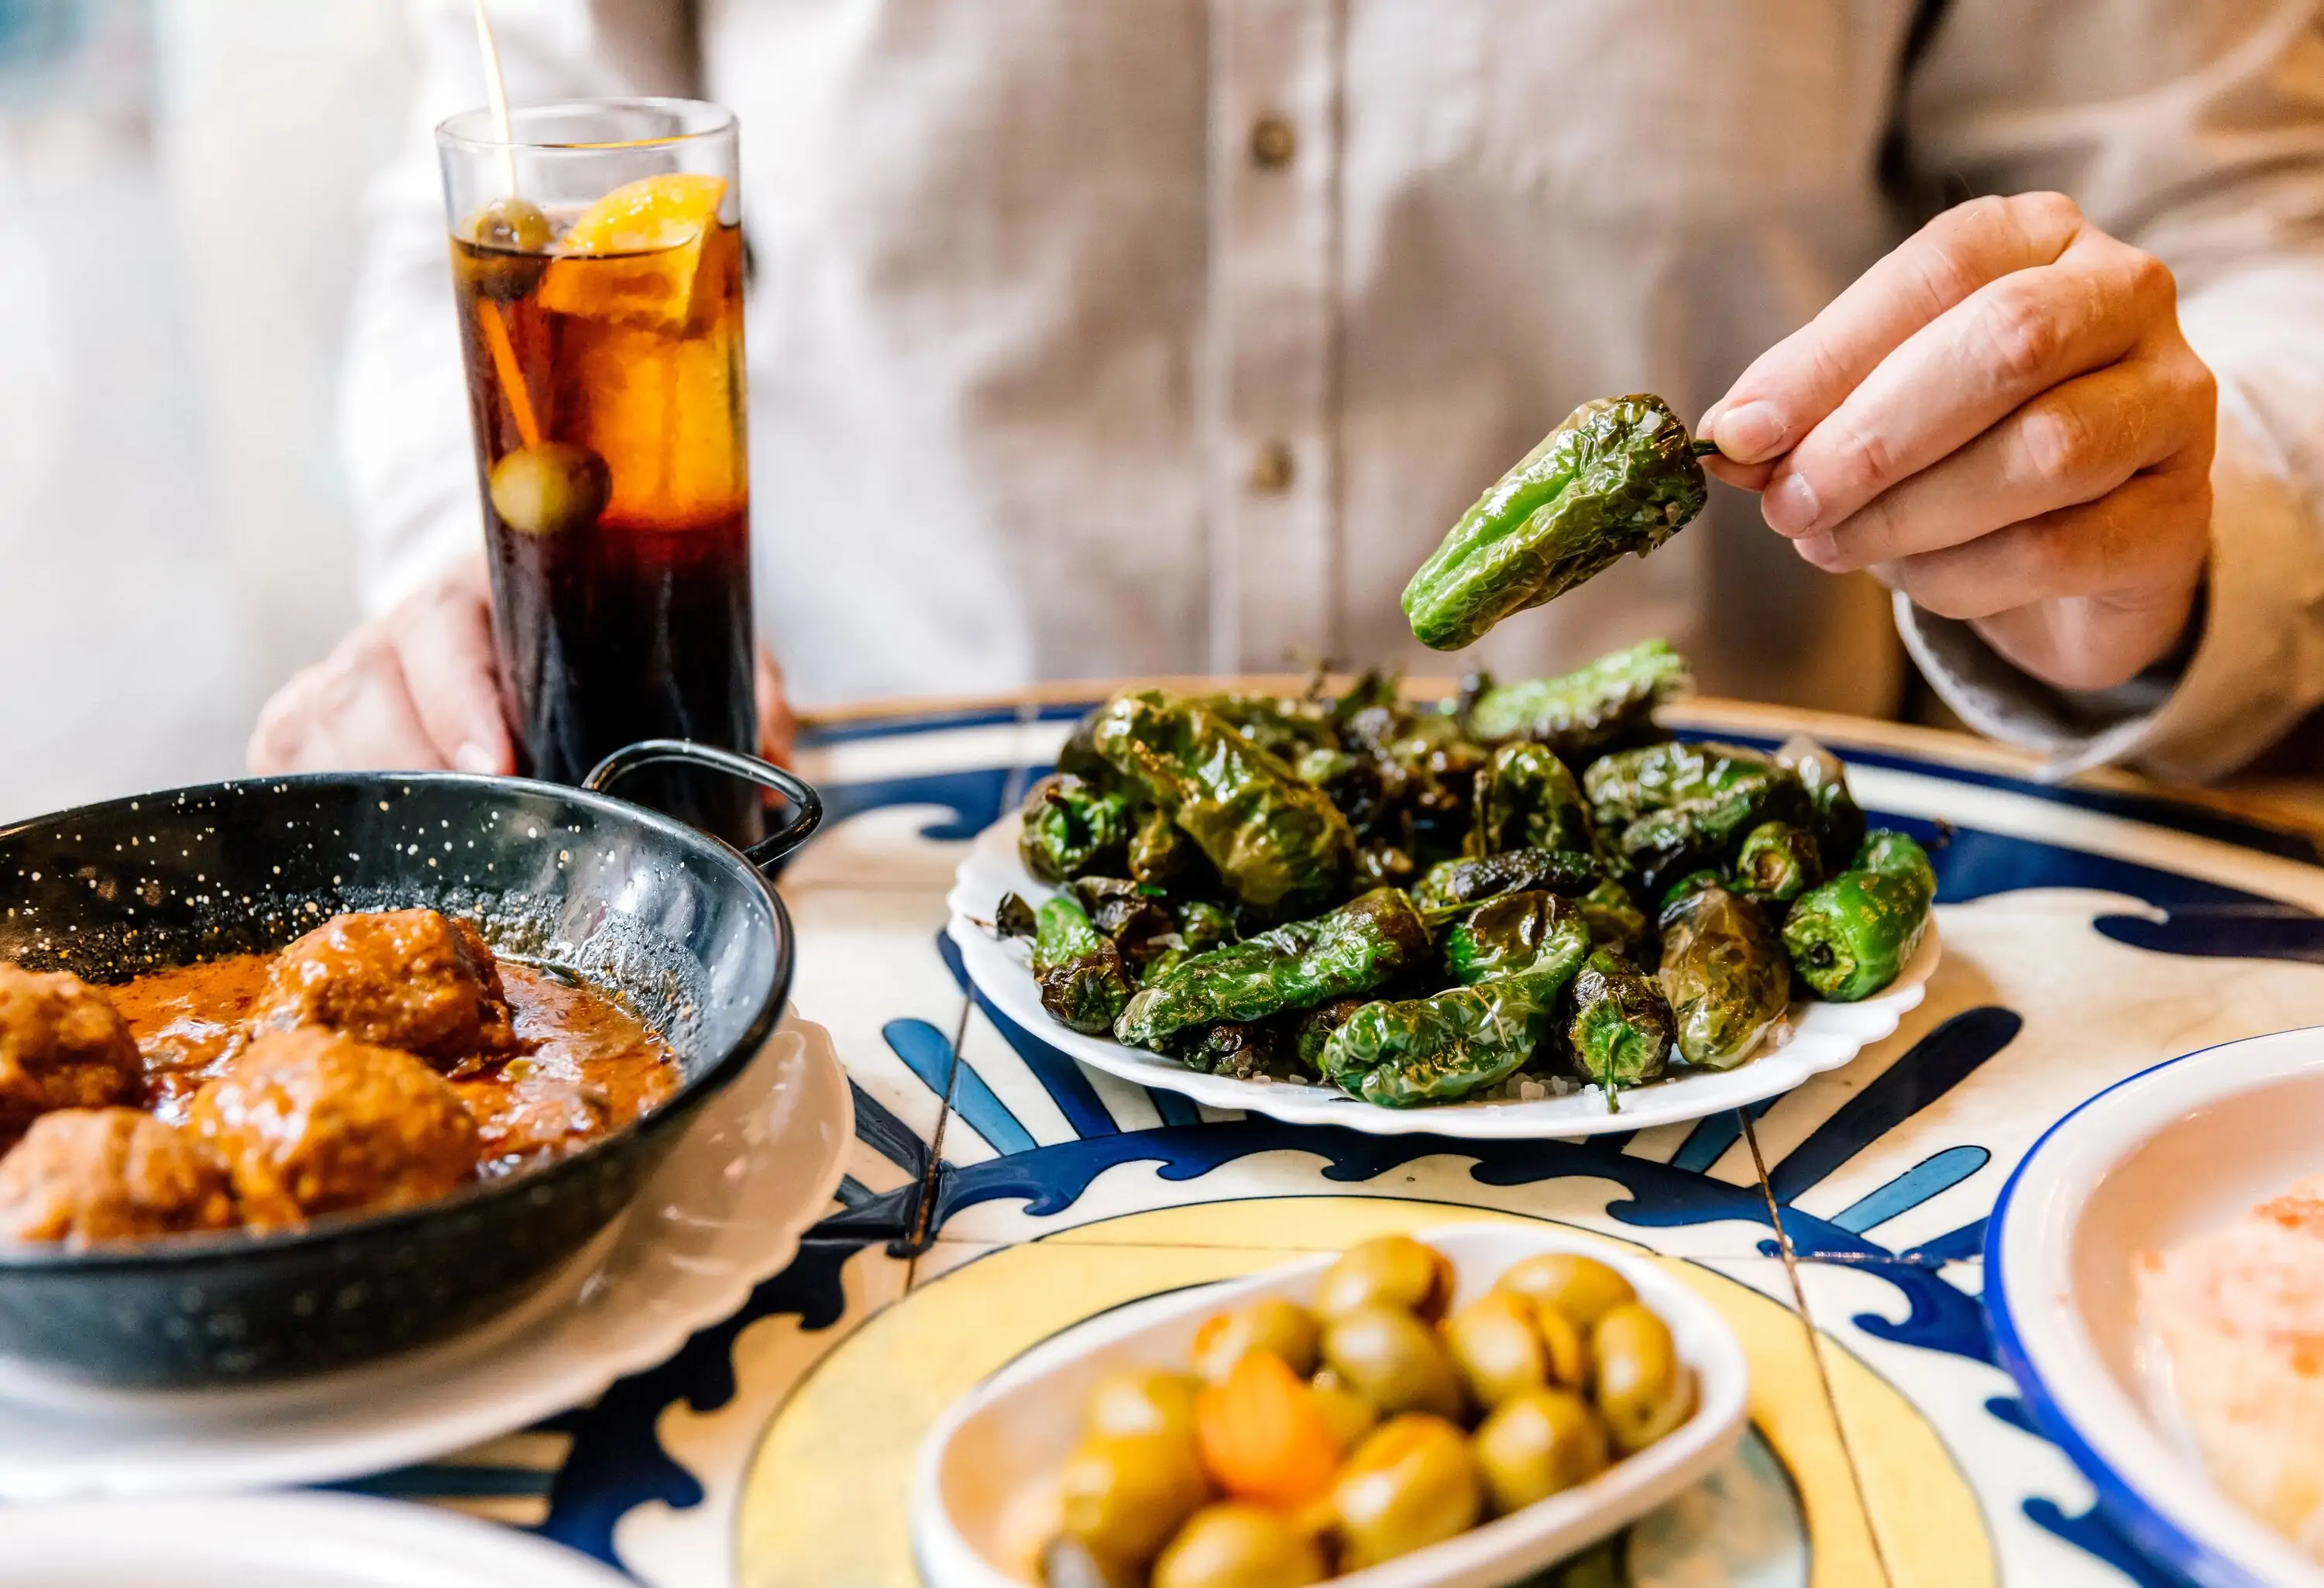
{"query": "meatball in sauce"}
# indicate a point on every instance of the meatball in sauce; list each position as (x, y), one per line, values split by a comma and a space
(381, 1061)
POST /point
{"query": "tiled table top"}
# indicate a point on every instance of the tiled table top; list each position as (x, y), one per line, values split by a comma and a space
(998, 1193)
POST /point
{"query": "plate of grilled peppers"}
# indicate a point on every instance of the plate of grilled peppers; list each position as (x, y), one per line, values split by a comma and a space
(1530, 912)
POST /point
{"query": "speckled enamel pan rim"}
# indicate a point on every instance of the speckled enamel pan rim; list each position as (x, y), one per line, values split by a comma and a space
(2190, 1528)
(539, 1184)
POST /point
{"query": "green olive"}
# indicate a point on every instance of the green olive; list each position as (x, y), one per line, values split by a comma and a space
(1411, 1483)
(511, 223)
(1125, 1494)
(1582, 1287)
(1268, 1323)
(1143, 1400)
(550, 489)
(1537, 1444)
(1348, 1414)
(1394, 1270)
(1569, 1353)
(1237, 1544)
(1642, 1389)
(1497, 1346)
(1393, 1359)
(511, 238)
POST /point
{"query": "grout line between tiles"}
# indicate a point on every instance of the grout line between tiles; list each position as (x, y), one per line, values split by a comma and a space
(1013, 793)
(1815, 1347)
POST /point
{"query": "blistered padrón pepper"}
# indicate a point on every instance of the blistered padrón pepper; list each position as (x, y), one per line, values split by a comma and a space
(1454, 884)
(1724, 972)
(1071, 828)
(1839, 821)
(1777, 861)
(1620, 476)
(1664, 845)
(1505, 934)
(1445, 1047)
(1085, 982)
(1605, 701)
(1296, 965)
(1526, 798)
(1614, 918)
(1617, 1023)
(1279, 845)
(1850, 937)
(1631, 783)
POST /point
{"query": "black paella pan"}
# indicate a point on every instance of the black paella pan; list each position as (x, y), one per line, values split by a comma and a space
(681, 926)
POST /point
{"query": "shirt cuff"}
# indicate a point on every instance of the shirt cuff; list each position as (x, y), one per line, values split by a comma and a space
(2256, 670)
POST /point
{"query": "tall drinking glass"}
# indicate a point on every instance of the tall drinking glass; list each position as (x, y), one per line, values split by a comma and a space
(597, 268)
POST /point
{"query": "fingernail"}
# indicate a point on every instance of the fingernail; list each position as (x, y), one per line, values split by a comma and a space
(1790, 505)
(474, 758)
(1751, 432)
(1820, 549)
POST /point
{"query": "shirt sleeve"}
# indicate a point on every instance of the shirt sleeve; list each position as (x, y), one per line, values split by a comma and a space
(403, 412)
(2199, 135)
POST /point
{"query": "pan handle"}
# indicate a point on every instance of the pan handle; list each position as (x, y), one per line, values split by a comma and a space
(806, 805)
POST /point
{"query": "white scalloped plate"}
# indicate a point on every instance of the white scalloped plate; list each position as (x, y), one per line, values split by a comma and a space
(279, 1541)
(724, 1211)
(1021, 1422)
(1813, 1038)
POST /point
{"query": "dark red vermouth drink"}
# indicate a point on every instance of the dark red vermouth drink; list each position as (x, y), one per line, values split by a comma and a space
(603, 349)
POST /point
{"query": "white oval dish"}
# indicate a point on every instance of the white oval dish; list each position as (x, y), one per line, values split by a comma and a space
(2177, 1150)
(1021, 1423)
(1815, 1037)
(279, 1541)
(724, 1211)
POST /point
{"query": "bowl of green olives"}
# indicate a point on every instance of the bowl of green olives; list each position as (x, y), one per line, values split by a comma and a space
(1456, 1411)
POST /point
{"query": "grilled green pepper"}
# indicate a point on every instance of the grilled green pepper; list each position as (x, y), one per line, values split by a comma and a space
(1137, 921)
(1311, 1029)
(1071, 828)
(1839, 820)
(1618, 476)
(1442, 1048)
(1525, 799)
(1617, 1023)
(1613, 696)
(1159, 854)
(1614, 919)
(1297, 965)
(1725, 975)
(1778, 862)
(1288, 726)
(1454, 884)
(1245, 1051)
(1084, 980)
(1849, 937)
(1695, 834)
(1505, 934)
(1629, 783)
(1280, 847)
(1203, 926)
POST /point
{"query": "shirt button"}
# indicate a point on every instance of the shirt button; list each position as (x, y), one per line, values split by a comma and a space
(1272, 469)
(1272, 142)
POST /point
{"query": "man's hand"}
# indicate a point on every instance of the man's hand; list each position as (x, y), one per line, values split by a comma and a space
(413, 690)
(2002, 420)
(417, 689)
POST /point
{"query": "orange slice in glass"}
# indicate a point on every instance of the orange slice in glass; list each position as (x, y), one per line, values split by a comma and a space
(633, 256)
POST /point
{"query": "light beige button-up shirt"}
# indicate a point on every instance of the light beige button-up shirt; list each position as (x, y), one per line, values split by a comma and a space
(1110, 337)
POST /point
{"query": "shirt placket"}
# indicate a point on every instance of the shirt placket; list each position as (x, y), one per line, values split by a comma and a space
(1272, 380)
